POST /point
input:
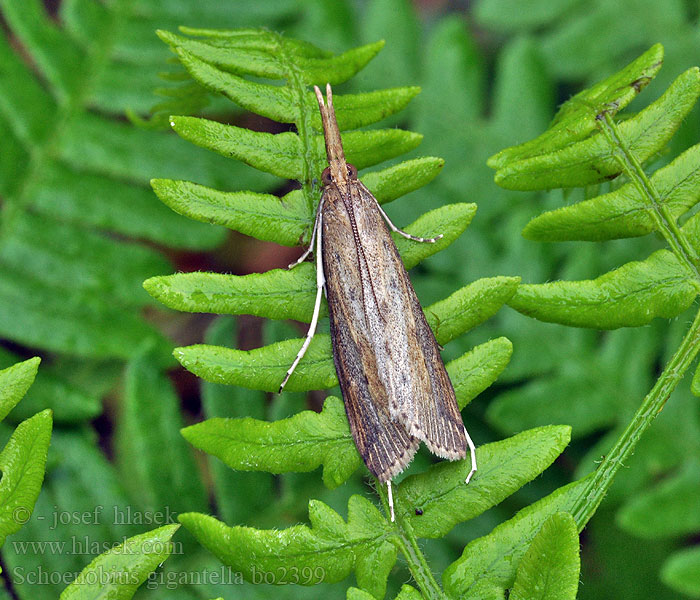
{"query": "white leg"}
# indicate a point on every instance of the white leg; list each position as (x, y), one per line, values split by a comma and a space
(302, 258)
(320, 282)
(391, 500)
(403, 233)
(472, 454)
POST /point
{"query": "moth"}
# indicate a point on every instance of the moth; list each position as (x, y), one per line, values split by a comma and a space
(394, 384)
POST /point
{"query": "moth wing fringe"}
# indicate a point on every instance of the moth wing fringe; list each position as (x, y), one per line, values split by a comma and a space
(440, 449)
(399, 463)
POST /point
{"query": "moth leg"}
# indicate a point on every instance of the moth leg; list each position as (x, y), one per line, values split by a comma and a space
(402, 232)
(391, 500)
(308, 251)
(472, 455)
(320, 282)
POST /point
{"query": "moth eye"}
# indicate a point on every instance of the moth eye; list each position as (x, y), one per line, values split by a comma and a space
(326, 178)
(352, 172)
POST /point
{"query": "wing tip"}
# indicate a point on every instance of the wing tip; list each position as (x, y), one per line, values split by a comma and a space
(398, 464)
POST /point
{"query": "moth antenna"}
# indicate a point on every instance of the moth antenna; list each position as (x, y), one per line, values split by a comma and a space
(334, 144)
(329, 100)
(319, 97)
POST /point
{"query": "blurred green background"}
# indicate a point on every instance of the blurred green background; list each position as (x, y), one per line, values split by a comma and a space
(81, 230)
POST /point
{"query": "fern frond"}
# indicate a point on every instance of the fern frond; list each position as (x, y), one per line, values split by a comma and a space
(663, 285)
(585, 145)
(23, 458)
(240, 64)
(73, 177)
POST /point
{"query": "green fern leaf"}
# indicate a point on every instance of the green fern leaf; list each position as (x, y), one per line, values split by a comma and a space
(450, 220)
(590, 161)
(325, 552)
(266, 54)
(488, 564)
(624, 212)
(250, 213)
(476, 370)
(263, 368)
(14, 383)
(633, 295)
(407, 593)
(300, 443)
(278, 293)
(436, 500)
(469, 306)
(398, 180)
(23, 458)
(550, 568)
(282, 154)
(288, 219)
(576, 119)
(127, 566)
(22, 461)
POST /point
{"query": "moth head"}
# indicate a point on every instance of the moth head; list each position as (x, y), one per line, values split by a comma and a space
(327, 178)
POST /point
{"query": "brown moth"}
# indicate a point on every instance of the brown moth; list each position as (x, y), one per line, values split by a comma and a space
(394, 384)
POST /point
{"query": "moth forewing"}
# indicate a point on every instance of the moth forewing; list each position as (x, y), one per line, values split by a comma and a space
(370, 295)
(393, 381)
(358, 333)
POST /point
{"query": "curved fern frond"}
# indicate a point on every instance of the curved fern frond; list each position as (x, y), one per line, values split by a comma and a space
(665, 284)
(586, 145)
(74, 177)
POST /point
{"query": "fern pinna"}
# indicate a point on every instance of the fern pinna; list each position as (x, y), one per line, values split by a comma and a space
(588, 144)
(23, 457)
(429, 504)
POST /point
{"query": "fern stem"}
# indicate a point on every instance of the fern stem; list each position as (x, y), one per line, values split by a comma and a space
(653, 403)
(296, 83)
(665, 221)
(407, 543)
